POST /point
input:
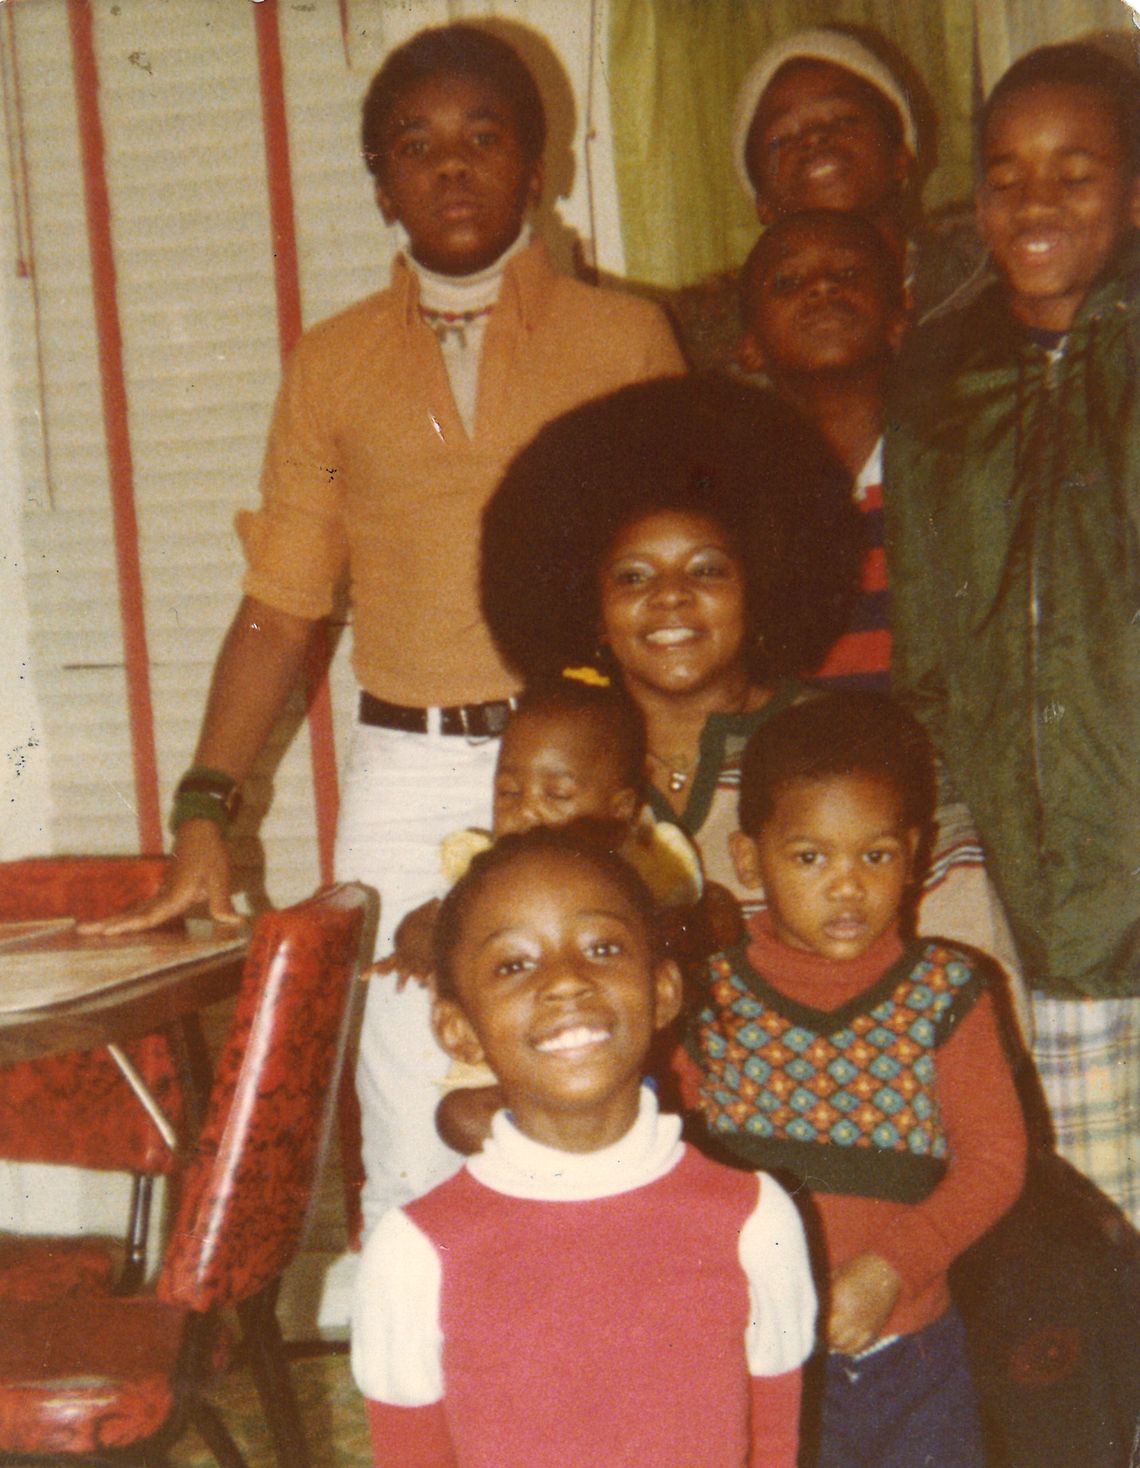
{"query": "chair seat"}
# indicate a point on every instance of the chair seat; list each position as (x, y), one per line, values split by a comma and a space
(81, 1377)
(42, 1267)
(81, 1381)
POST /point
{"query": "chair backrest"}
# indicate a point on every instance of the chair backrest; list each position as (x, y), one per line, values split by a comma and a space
(77, 1109)
(82, 887)
(249, 1186)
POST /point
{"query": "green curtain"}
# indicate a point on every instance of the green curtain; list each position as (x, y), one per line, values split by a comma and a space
(675, 67)
(1009, 28)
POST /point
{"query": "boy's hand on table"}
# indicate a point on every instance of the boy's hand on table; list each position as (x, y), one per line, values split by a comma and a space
(863, 1294)
(199, 872)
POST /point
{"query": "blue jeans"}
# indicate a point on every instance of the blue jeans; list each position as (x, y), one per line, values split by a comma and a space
(910, 1405)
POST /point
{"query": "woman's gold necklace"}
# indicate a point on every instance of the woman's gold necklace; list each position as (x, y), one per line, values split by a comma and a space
(677, 772)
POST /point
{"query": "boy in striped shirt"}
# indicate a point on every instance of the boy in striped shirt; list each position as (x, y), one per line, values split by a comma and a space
(823, 313)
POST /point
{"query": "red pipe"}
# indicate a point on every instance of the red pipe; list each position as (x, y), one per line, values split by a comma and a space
(287, 280)
(116, 427)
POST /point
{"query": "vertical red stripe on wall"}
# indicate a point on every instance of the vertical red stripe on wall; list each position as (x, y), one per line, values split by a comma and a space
(115, 426)
(287, 279)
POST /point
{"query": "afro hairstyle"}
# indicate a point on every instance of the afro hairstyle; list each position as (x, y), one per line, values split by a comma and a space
(710, 446)
(453, 50)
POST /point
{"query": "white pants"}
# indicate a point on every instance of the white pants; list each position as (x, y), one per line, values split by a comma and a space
(402, 794)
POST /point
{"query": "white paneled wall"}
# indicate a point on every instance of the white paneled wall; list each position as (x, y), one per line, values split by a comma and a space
(24, 769)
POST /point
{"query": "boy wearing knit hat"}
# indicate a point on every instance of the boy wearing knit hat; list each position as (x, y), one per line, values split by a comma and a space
(821, 122)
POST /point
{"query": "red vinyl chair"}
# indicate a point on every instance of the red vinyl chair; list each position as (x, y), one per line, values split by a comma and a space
(119, 1380)
(77, 1109)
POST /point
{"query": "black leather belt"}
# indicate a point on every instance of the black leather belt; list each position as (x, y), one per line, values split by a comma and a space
(476, 720)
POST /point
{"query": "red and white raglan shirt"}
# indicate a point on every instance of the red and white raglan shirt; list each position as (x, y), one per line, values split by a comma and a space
(639, 1305)
(861, 658)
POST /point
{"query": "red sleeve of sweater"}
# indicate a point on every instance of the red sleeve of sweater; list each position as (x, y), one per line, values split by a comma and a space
(409, 1437)
(986, 1133)
(776, 1420)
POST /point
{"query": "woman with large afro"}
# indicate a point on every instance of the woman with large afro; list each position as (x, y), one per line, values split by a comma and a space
(693, 538)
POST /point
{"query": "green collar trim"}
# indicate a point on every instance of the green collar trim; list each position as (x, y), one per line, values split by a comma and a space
(719, 728)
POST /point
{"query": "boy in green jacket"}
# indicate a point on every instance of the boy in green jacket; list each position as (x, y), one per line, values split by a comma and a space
(1013, 522)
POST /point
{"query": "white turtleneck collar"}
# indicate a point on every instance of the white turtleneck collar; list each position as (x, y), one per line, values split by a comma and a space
(466, 292)
(514, 1164)
(458, 309)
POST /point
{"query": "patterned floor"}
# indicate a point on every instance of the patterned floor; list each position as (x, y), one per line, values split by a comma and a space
(331, 1406)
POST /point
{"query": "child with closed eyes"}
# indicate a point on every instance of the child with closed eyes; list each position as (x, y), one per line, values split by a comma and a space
(572, 753)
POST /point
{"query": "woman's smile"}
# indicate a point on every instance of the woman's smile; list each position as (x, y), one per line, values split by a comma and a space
(672, 604)
(671, 636)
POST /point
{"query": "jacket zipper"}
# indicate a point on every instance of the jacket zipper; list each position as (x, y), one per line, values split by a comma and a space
(1050, 381)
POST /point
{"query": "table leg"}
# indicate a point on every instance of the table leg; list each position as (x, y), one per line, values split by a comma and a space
(142, 1091)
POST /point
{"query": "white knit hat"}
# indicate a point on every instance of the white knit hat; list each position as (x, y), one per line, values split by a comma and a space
(837, 47)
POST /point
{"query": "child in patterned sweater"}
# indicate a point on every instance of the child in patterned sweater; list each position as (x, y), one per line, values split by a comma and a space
(867, 1065)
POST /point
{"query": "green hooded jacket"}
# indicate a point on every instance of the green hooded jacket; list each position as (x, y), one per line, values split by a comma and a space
(1013, 544)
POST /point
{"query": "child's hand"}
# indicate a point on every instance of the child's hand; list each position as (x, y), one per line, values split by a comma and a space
(863, 1294)
(413, 957)
(393, 964)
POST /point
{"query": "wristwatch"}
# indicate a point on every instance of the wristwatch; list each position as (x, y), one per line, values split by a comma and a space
(205, 794)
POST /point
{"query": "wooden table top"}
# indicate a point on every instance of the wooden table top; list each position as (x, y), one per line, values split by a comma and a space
(60, 990)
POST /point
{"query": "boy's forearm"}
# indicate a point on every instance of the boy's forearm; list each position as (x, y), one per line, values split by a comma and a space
(260, 662)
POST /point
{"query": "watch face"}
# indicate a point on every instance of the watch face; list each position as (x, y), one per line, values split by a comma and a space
(209, 786)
